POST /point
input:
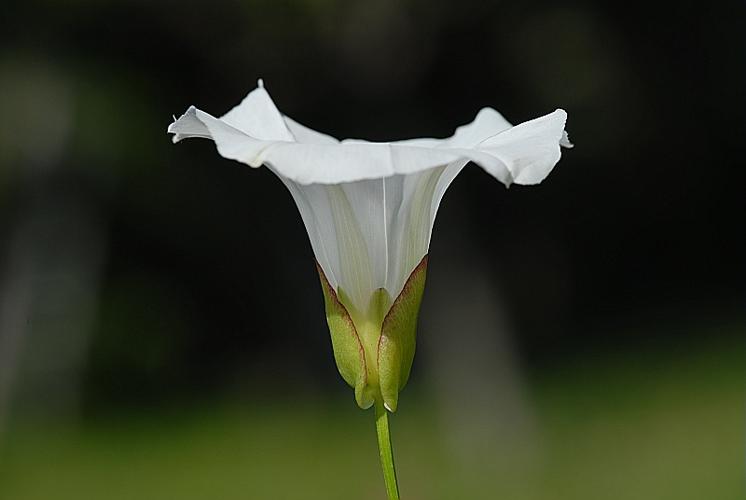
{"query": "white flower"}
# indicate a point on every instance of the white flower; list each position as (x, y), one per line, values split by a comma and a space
(369, 207)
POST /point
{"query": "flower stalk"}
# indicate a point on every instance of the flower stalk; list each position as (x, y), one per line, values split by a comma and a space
(385, 451)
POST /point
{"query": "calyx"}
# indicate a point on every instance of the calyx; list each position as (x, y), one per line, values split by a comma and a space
(374, 349)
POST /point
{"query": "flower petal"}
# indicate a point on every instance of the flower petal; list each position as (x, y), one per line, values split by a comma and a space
(369, 208)
(410, 229)
(347, 228)
(258, 117)
(531, 149)
(255, 132)
(188, 126)
(336, 164)
(231, 142)
(313, 205)
(308, 135)
(487, 123)
(532, 146)
(370, 234)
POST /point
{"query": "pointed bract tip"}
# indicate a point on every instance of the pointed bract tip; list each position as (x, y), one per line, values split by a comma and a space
(260, 83)
(363, 400)
(386, 405)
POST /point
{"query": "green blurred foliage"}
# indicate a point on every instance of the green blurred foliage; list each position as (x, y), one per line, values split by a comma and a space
(662, 427)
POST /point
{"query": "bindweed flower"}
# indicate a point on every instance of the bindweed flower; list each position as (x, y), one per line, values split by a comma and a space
(369, 210)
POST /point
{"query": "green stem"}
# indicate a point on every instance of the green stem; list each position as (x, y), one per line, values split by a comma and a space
(384, 449)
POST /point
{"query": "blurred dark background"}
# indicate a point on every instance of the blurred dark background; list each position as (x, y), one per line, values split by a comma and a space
(161, 323)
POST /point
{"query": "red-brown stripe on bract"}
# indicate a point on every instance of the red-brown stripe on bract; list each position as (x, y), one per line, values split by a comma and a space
(333, 294)
(407, 285)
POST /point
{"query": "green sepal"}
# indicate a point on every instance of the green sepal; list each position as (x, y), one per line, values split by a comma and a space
(396, 344)
(349, 353)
